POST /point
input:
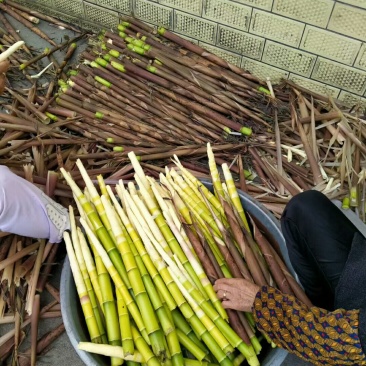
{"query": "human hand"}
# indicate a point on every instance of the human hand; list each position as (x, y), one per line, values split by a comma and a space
(236, 293)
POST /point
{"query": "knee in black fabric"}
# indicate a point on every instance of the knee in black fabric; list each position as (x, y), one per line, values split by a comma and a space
(303, 204)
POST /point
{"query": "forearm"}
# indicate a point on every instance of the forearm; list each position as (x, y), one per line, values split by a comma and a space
(311, 333)
(25, 210)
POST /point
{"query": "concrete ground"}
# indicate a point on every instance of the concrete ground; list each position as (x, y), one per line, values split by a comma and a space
(61, 352)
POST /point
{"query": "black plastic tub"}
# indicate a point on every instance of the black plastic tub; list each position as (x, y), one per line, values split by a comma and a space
(74, 320)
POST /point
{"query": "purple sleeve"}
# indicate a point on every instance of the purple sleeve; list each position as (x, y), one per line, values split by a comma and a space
(25, 210)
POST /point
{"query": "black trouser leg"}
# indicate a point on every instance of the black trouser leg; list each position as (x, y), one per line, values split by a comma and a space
(318, 238)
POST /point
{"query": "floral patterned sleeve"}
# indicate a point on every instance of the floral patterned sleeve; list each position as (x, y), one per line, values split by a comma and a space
(313, 334)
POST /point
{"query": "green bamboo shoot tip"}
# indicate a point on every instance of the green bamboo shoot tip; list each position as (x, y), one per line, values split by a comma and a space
(101, 62)
(125, 24)
(158, 62)
(118, 66)
(152, 69)
(72, 73)
(138, 42)
(114, 53)
(94, 64)
(129, 39)
(122, 35)
(118, 148)
(353, 197)
(161, 30)
(51, 116)
(107, 57)
(121, 27)
(103, 81)
(345, 203)
(99, 115)
(110, 140)
(264, 90)
(227, 130)
(137, 49)
(246, 131)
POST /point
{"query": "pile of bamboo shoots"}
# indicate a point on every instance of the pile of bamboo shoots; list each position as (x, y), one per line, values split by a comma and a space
(144, 260)
(152, 92)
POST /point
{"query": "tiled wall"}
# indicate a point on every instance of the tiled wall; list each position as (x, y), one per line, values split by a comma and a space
(319, 44)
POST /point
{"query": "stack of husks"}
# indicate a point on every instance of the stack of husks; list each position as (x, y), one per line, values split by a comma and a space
(145, 281)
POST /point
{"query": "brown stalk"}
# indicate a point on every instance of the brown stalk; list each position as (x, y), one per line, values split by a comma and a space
(25, 323)
(8, 347)
(296, 288)
(47, 18)
(245, 248)
(44, 119)
(259, 162)
(47, 268)
(26, 23)
(144, 102)
(190, 152)
(283, 180)
(201, 254)
(207, 249)
(34, 328)
(243, 185)
(274, 267)
(42, 344)
(317, 176)
(5, 246)
(53, 291)
(25, 15)
(35, 274)
(202, 52)
(352, 136)
(19, 255)
(236, 324)
(9, 28)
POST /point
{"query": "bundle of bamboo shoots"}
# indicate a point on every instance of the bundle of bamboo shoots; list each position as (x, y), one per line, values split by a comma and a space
(145, 263)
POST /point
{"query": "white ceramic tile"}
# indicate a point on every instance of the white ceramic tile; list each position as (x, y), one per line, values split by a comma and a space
(314, 86)
(288, 58)
(338, 75)
(190, 6)
(330, 45)
(97, 14)
(314, 12)
(351, 100)
(261, 4)
(227, 12)
(119, 5)
(349, 21)
(276, 27)
(195, 27)
(263, 71)
(153, 13)
(71, 7)
(226, 55)
(359, 3)
(361, 58)
(195, 41)
(240, 42)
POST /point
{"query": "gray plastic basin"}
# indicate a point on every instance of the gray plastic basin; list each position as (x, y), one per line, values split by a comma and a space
(74, 320)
